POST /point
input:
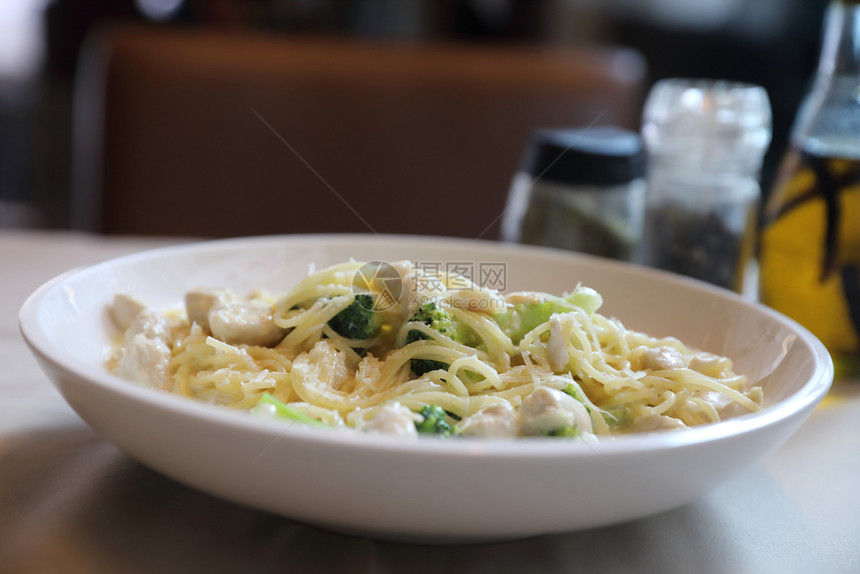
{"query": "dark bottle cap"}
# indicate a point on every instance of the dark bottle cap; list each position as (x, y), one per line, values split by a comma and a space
(596, 156)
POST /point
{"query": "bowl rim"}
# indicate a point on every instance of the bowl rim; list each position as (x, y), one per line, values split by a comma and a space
(40, 343)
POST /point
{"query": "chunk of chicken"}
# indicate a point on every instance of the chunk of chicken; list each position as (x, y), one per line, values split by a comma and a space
(245, 323)
(149, 323)
(526, 297)
(711, 365)
(733, 409)
(649, 423)
(323, 367)
(145, 355)
(145, 360)
(123, 309)
(478, 300)
(200, 302)
(547, 410)
(394, 419)
(556, 346)
(495, 421)
(658, 358)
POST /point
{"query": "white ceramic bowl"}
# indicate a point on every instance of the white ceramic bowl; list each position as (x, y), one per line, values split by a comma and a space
(430, 489)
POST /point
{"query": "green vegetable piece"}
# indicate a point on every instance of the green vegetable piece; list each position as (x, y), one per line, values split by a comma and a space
(616, 418)
(571, 390)
(524, 317)
(566, 432)
(358, 320)
(443, 322)
(521, 318)
(422, 366)
(285, 411)
(585, 298)
(434, 421)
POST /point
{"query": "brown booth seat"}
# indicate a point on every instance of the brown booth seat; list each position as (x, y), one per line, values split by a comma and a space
(217, 134)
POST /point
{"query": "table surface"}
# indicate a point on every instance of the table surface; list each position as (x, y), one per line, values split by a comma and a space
(71, 502)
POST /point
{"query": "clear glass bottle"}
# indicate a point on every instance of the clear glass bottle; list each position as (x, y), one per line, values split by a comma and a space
(580, 190)
(705, 140)
(810, 242)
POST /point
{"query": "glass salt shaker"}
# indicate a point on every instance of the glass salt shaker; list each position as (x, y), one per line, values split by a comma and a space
(579, 189)
(705, 141)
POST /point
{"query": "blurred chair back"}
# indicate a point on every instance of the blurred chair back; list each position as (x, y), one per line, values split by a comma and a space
(222, 134)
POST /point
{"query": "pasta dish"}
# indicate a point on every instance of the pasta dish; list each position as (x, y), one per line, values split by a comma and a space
(397, 349)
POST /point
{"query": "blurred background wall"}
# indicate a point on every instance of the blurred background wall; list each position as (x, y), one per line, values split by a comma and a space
(773, 43)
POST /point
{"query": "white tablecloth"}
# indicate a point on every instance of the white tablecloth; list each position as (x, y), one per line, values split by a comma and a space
(70, 502)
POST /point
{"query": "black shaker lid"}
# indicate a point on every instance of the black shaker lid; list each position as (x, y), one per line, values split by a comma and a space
(597, 156)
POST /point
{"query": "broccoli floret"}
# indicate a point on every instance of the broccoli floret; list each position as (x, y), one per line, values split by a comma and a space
(521, 318)
(440, 320)
(358, 321)
(422, 366)
(434, 421)
(443, 322)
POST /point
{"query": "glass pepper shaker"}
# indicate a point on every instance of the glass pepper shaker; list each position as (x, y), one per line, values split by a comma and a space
(581, 190)
(705, 141)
